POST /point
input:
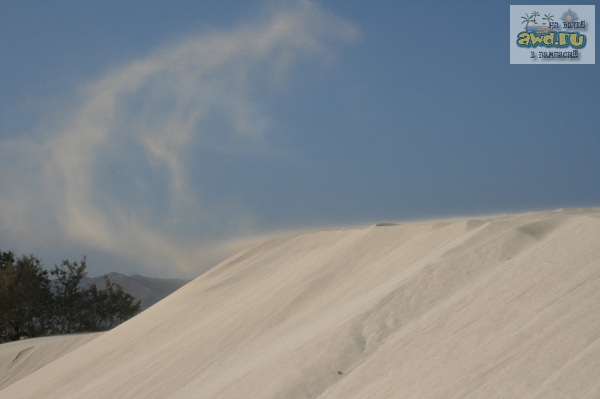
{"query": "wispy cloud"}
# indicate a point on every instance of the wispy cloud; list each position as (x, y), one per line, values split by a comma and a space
(113, 174)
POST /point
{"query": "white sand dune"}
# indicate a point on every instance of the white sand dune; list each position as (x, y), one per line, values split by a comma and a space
(491, 307)
(21, 358)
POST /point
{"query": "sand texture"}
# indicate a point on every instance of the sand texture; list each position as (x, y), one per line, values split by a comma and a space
(489, 307)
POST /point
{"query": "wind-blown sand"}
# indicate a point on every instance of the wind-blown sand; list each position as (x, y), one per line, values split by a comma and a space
(489, 307)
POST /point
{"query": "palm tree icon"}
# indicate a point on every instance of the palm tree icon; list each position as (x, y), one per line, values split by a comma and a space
(535, 14)
(526, 20)
(549, 17)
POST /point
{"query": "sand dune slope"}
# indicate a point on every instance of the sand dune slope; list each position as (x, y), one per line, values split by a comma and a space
(500, 306)
(20, 358)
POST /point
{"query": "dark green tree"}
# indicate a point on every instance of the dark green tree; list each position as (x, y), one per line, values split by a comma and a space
(36, 302)
(107, 308)
(25, 295)
(79, 309)
(68, 304)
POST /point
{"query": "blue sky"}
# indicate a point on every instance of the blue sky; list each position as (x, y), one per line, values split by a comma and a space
(158, 137)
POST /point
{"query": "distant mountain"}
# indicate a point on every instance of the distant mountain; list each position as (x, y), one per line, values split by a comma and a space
(148, 290)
